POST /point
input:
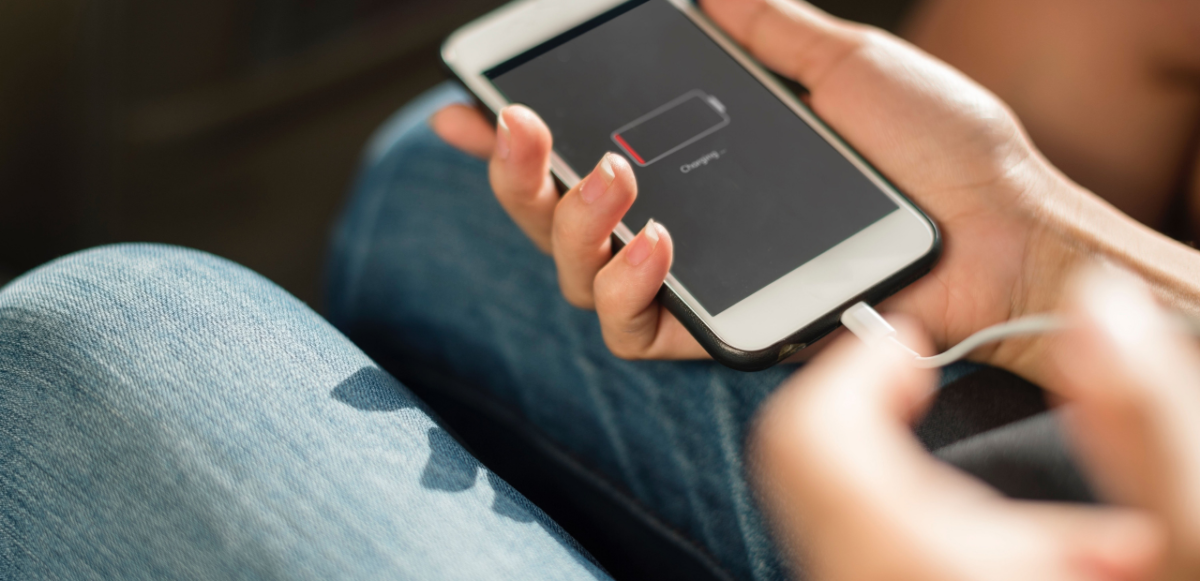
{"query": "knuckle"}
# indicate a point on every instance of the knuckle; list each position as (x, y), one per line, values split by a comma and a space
(559, 223)
(620, 349)
(603, 294)
(573, 225)
(511, 195)
(626, 339)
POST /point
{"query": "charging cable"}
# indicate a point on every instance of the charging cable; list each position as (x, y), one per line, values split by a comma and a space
(869, 326)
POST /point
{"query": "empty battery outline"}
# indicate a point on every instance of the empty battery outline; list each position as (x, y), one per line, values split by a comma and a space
(677, 124)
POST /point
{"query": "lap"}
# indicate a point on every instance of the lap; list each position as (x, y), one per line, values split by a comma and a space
(431, 277)
(168, 414)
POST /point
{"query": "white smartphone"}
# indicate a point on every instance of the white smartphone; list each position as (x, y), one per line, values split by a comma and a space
(778, 225)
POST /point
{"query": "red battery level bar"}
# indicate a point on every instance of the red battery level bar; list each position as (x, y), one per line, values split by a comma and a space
(671, 127)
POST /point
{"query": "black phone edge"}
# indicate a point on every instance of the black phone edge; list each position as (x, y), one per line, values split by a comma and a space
(761, 359)
(768, 357)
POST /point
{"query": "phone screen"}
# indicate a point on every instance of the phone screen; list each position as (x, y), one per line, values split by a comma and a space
(747, 189)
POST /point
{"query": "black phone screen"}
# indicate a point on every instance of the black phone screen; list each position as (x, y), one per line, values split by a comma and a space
(747, 189)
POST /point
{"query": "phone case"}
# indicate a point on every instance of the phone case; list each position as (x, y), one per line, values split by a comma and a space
(759, 360)
(765, 358)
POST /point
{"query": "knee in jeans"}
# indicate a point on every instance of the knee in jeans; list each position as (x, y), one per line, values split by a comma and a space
(107, 298)
(112, 276)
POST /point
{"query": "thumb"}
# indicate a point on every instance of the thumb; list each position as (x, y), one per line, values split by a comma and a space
(793, 38)
(1135, 383)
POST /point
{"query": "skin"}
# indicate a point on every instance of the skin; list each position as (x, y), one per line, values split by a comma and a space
(852, 494)
(955, 148)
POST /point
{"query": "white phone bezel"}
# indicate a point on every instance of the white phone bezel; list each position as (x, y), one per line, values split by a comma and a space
(783, 307)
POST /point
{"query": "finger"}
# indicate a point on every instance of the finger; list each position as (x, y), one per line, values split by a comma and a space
(583, 224)
(834, 457)
(843, 477)
(1085, 542)
(1135, 385)
(465, 128)
(633, 324)
(793, 38)
(520, 172)
(843, 424)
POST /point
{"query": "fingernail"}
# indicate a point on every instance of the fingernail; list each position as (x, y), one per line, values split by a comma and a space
(503, 136)
(644, 244)
(594, 188)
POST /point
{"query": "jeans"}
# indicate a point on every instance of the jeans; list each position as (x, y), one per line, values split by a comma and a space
(167, 414)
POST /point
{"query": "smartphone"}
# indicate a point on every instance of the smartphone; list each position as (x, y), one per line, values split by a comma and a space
(778, 225)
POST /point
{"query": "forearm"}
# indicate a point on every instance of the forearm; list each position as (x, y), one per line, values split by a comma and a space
(1076, 230)
(1172, 269)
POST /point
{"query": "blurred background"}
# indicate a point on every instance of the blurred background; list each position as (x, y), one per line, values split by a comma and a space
(231, 126)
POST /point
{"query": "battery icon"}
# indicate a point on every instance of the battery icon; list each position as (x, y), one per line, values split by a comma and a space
(671, 127)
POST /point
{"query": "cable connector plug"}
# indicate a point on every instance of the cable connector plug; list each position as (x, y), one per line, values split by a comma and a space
(867, 324)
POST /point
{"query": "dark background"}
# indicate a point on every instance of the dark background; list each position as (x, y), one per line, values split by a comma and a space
(232, 126)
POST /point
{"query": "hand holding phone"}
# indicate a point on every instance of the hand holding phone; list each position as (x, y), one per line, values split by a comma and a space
(949, 144)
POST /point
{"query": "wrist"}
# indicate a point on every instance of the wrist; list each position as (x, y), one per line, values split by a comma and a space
(1070, 229)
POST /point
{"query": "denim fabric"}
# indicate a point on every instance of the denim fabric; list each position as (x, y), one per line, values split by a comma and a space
(427, 271)
(165, 414)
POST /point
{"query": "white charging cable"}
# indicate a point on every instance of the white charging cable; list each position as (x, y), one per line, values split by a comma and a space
(869, 326)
